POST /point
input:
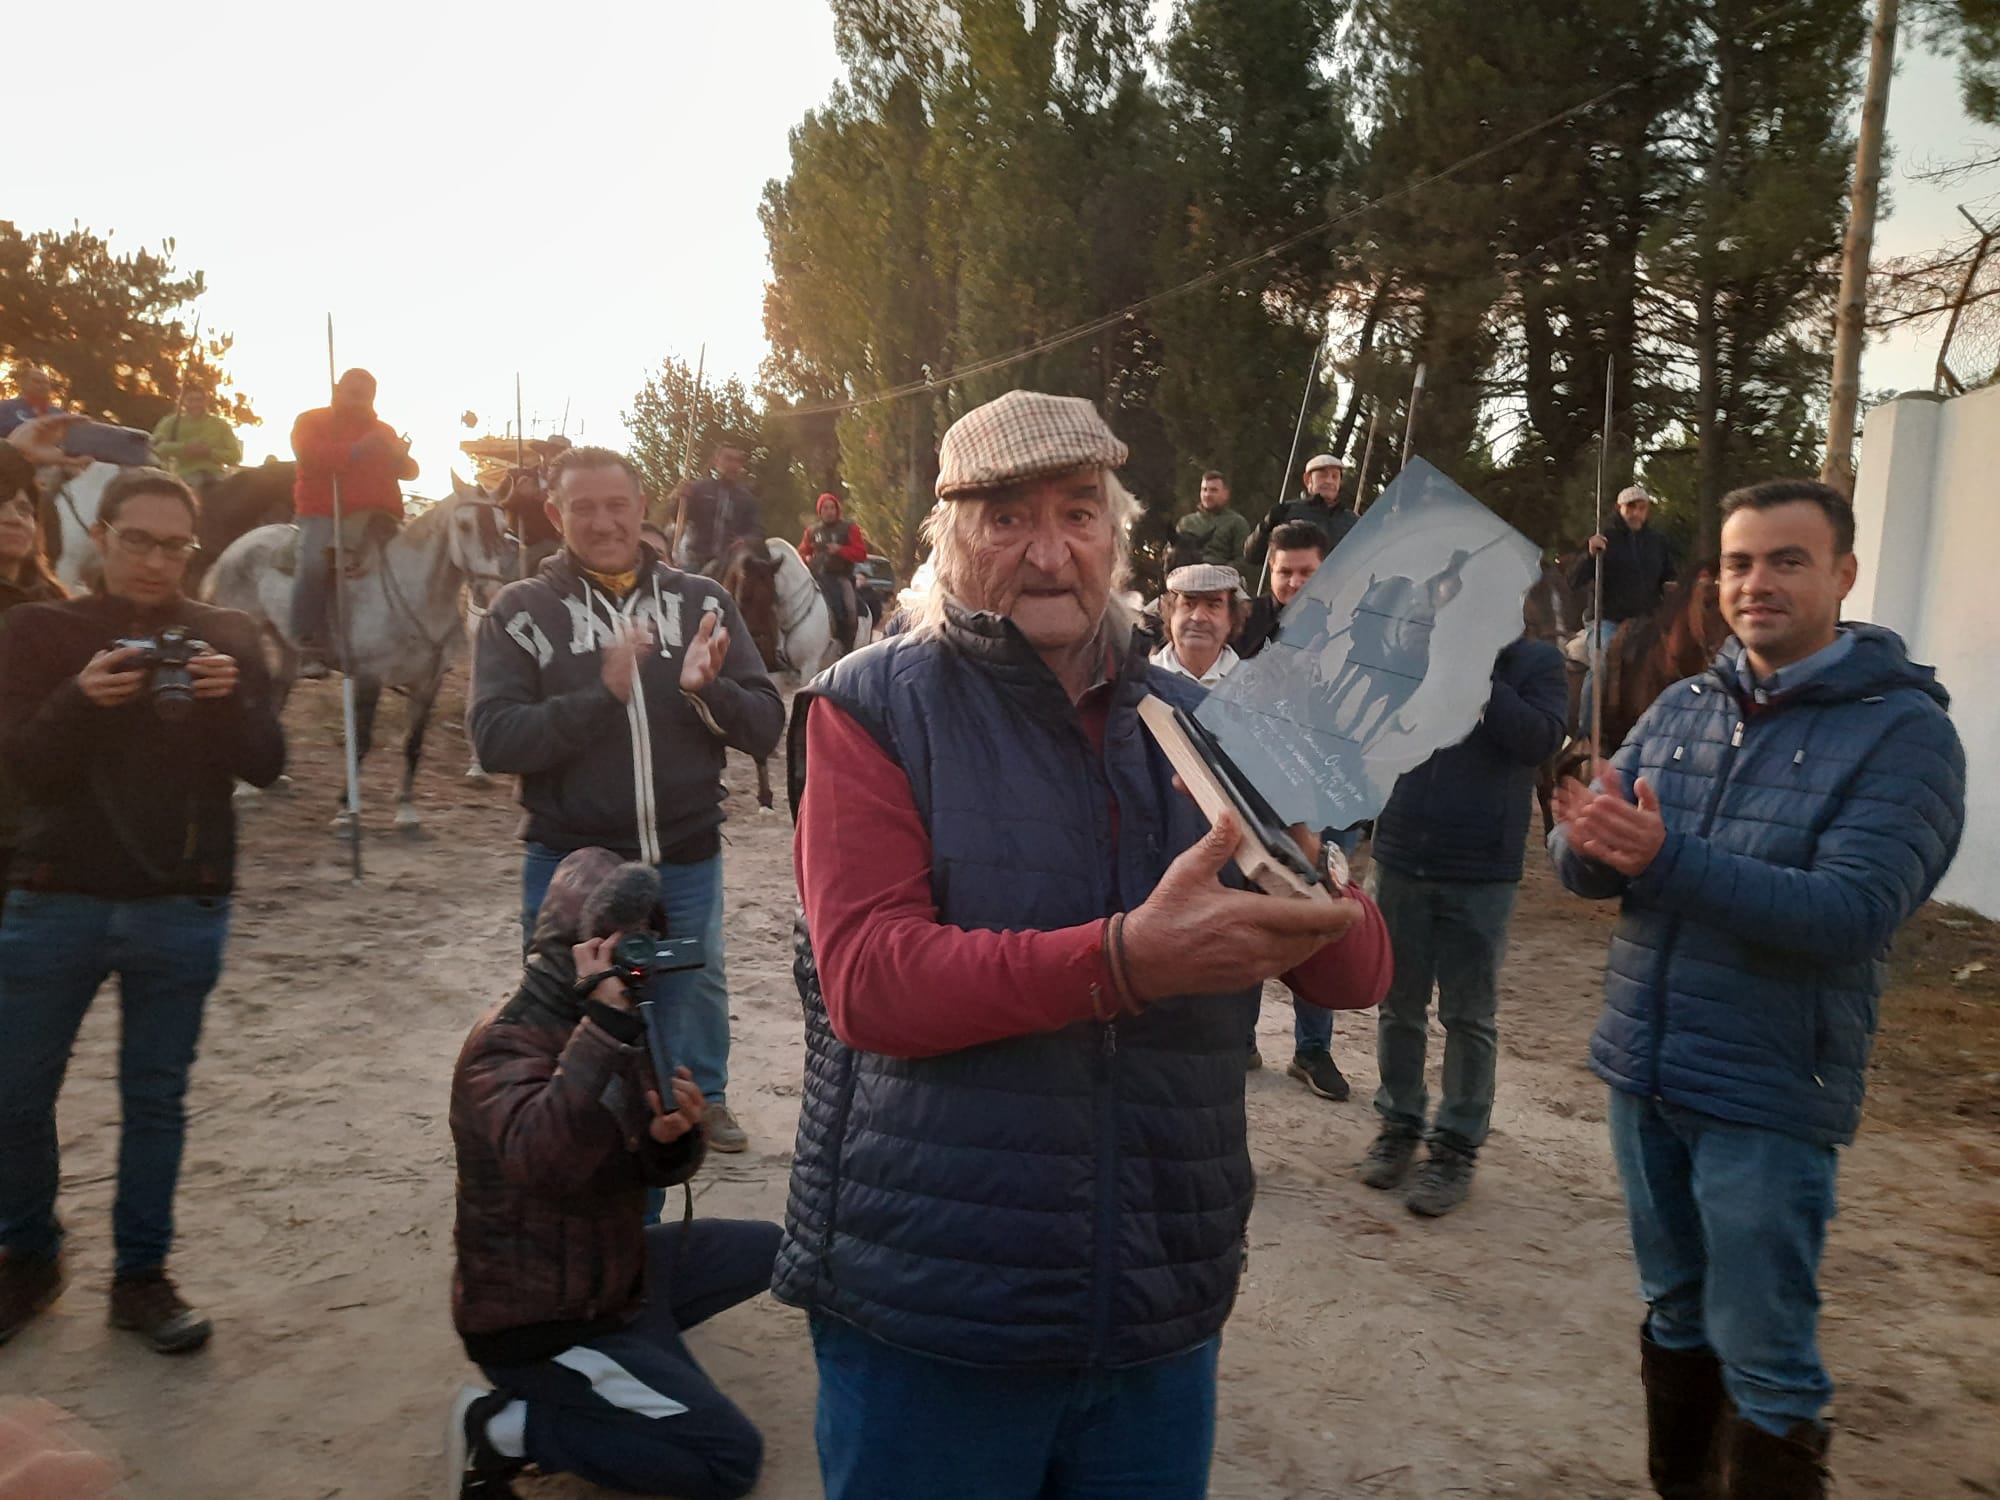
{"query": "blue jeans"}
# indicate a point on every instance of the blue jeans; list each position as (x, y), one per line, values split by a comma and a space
(1728, 1222)
(1451, 934)
(1312, 1028)
(1606, 629)
(696, 1002)
(55, 952)
(893, 1425)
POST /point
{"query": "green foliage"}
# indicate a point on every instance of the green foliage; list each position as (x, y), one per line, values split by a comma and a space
(1003, 194)
(107, 325)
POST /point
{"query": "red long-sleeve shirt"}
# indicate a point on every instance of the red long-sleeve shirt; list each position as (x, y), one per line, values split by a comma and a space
(899, 982)
(855, 550)
(324, 440)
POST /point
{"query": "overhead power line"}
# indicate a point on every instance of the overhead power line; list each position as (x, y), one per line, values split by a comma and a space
(1209, 277)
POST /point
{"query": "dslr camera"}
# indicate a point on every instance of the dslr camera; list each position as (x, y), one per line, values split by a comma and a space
(164, 657)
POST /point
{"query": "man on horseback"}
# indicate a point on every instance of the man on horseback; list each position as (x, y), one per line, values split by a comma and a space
(524, 496)
(1320, 505)
(196, 443)
(613, 685)
(831, 549)
(348, 442)
(718, 512)
(1639, 563)
(1767, 826)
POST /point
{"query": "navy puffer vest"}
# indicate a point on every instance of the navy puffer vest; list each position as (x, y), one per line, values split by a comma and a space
(1074, 1198)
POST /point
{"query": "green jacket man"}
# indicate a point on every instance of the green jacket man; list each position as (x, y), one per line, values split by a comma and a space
(195, 442)
(1212, 532)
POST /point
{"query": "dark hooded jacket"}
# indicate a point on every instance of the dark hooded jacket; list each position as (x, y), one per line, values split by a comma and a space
(551, 1124)
(1803, 828)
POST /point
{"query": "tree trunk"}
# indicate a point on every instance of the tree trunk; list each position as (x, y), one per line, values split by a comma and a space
(1376, 304)
(1850, 330)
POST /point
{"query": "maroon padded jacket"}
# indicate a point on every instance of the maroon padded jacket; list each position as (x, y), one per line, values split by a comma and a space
(550, 1119)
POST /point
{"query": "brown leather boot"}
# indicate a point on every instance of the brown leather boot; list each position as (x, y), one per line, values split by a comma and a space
(28, 1284)
(1758, 1465)
(1685, 1406)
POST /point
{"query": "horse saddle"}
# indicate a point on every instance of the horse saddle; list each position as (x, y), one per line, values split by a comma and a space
(363, 536)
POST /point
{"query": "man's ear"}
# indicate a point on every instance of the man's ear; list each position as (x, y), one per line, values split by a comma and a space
(1844, 570)
(554, 512)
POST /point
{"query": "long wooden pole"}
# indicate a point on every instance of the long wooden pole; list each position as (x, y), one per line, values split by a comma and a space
(1298, 429)
(1598, 655)
(349, 743)
(1851, 324)
(1410, 421)
(1367, 454)
(687, 455)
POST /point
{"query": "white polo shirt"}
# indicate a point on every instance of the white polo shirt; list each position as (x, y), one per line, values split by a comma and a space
(1224, 664)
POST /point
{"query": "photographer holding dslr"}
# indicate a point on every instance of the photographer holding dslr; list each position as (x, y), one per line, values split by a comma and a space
(565, 1297)
(126, 718)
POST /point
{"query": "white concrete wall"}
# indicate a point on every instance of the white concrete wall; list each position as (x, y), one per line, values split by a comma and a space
(1927, 534)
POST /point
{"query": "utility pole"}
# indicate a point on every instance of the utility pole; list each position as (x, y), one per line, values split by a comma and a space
(1850, 327)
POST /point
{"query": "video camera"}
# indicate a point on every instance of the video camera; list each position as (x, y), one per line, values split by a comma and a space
(164, 656)
(641, 960)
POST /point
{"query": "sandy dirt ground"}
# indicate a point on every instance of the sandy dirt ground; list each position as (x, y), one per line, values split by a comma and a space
(1371, 1354)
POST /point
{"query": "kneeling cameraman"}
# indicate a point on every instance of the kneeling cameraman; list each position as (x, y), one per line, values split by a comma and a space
(571, 1305)
(125, 719)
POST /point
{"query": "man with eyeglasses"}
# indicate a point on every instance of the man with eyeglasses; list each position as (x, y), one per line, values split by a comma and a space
(126, 717)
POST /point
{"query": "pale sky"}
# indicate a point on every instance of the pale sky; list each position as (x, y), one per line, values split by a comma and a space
(569, 191)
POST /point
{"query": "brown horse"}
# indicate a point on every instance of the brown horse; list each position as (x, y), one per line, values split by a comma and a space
(1552, 613)
(750, 574)
(1652, 653)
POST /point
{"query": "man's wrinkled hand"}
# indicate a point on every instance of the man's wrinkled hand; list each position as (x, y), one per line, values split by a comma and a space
(1194, 935)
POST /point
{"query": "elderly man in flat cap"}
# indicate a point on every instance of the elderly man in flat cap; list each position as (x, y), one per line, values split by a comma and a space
(1204, 605)
(1319, 503)
(1021, 1187)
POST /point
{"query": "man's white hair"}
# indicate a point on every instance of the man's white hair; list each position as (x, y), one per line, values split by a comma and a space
(950, 531)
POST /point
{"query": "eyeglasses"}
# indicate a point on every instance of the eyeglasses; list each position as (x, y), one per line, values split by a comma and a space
(140, 544)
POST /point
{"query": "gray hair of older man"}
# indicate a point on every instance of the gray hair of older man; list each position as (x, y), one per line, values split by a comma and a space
(949, 529)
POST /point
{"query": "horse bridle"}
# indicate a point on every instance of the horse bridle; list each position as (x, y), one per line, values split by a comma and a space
(394, 592)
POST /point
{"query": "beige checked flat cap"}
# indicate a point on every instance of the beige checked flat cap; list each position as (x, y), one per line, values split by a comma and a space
(1023, 435)
(1205, 578)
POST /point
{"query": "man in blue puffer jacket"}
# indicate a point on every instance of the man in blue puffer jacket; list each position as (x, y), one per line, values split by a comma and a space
(1786, 812)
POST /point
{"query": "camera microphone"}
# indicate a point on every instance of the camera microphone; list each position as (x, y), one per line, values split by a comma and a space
(627, 900)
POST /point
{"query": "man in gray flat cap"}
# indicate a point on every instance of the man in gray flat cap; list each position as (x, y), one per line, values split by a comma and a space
(1203, 606)
(1319, 504)
(1021, 1185)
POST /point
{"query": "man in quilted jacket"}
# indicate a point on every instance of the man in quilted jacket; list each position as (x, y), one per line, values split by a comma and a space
(1768, 826)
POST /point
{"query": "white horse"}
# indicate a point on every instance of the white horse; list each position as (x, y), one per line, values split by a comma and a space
(786, 615)
(405, 617)
(74, 498)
